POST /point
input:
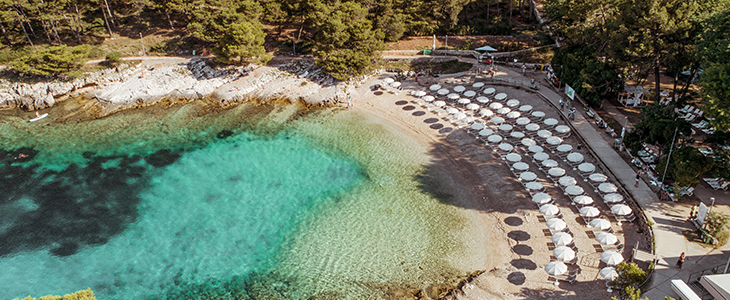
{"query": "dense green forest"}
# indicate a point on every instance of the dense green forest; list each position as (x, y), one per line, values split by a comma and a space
(606, 42)
(345, 35)
(602, 42)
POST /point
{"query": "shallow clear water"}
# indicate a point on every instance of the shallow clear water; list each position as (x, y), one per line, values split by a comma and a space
(271, 205)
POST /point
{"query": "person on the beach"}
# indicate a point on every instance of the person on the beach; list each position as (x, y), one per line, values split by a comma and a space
(680, 261)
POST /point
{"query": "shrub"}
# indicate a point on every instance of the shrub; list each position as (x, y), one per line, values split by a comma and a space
(80, 295)
(717, 226)
(53, 61)
(114, 57)
(629, 275)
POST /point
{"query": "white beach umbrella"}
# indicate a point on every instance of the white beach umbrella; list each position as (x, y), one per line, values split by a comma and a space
(495, 138)
(556, 268)
(468, 119)
(621, 210)
(532, 127)
(561, 239)
(556, 224)
(505, 127)
(395, 84)
(497, 120)
(470, 94)
(534, 186)
(540, 156)
(517, 134)
(525, 108)
(550, 122)
(472, 106)
(589, 211)
(562, 129)
(513, 157)
(574, 190)
(486, 132)
(549, 210)
(442, 92)
(435, 87)
(505, 147)
(486, 113)
(607, 188)
(419, 93)
(527, 142)
(608, 273)
(439, 103)
(586, 167)
(575, 157)
(464, 101)
(389, 80)
(495, 105)
(600, 224)
(583, 200)
(564, 148)
(451, 110)
(553, 140)
(513, 103)
(482, 99)
(613, 198)
(563, 253)
(520, 166)
(477, 126)
(611, 258)
(500, 96)
(544, 133)
(597, 177)
(567, 181)
(549, 163)
(522, 121)
(459, 116)
(513, 115)
(428, 98)
(503, 111)
(606, 238)
(478, 84)
(542, 198)
(489, 91)
(527, 176)
(556, 172)
(538, 114)
(459, 88)
(535, 149)
(452, 96)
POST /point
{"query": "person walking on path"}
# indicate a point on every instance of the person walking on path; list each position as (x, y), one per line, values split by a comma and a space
(692, 212)
(562, 104)
(638, 177)
(680, 261)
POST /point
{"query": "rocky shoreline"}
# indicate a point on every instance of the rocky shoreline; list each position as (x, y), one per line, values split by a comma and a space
(151, 81)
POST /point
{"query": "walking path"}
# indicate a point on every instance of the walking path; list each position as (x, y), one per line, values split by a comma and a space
(669, 220)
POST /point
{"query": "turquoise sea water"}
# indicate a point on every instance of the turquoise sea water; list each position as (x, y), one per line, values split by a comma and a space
(218, 207)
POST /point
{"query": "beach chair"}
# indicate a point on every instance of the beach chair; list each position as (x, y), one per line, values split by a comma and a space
(701, 125)
(709, 130)
(683, 110)
(719, 186)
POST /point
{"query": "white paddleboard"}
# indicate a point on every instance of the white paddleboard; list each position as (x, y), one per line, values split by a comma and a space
(39, 117)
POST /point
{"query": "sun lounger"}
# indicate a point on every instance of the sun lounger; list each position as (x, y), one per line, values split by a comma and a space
(702, 124)
(719, 186)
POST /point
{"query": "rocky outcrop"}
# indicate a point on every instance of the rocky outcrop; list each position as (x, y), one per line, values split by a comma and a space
(128, 86)
(43, 94)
